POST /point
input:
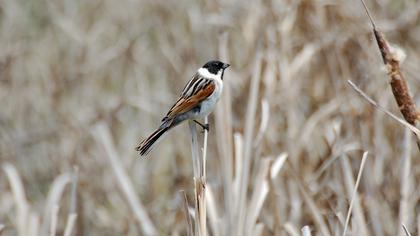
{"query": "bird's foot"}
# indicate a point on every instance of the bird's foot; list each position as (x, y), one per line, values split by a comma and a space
(205, 126)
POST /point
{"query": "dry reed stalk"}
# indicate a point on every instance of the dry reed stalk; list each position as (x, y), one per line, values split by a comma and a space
(313, 208)
(247, 152)
(265, 115)
(72, 216)
(71, 221)
(267, 172)
(214, 218)
(258, 229)
(398, 83)
(196, 171)
(33, 227)
(54, 197)
(73, 194)
(54, 219)
(103, 137)
(194, 149)
(405, 180)
(200, 194)
(187, 214)
(322, 226)
(306, 231)
(206, 134)
(239, 143)
(415, 130)
(224, 140)
(418, 225)
(406, 232)
(354, 198)
(19, 196)
(291, 229)
(275, 168)
(358, 219)
(258, 195)
(199, 166)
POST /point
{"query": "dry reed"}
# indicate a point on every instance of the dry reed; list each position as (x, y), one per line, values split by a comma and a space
(80, 81)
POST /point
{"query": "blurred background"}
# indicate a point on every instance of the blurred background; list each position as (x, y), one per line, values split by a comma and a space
(82, 82)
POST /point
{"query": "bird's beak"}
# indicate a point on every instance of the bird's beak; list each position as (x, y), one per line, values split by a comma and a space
(225, 65)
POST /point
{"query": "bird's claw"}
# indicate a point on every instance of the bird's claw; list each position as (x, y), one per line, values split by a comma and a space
(205, 126)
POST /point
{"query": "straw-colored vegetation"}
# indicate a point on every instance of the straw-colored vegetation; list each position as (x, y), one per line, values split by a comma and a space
(82, 82)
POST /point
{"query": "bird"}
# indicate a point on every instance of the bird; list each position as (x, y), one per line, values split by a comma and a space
(197, 100)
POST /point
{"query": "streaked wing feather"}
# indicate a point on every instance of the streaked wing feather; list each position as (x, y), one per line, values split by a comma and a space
(187, 89)
(199, 93)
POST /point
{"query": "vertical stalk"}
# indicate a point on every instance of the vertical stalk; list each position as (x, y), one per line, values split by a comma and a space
(199, 166)
(206, 133)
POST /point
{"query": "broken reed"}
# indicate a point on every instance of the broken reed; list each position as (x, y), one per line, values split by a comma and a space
(199, 167)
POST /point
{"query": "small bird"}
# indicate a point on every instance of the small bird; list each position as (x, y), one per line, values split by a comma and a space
(197, 100)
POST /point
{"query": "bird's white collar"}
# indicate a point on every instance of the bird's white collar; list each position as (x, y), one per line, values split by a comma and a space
(205, 73)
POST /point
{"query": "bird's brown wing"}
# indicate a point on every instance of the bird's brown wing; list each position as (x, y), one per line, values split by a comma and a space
(197, 95)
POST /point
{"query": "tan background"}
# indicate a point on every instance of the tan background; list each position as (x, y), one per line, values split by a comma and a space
(76, 74)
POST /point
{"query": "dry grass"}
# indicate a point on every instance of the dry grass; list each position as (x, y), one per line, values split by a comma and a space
(82, 81)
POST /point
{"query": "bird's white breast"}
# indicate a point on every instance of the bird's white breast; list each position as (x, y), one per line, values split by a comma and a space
(208, 105)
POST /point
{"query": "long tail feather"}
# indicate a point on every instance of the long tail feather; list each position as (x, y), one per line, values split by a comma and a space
(147, 145)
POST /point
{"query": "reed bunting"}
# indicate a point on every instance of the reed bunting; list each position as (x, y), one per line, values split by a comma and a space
(197, 100)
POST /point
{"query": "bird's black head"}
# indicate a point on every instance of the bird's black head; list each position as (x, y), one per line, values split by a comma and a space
(215, 66)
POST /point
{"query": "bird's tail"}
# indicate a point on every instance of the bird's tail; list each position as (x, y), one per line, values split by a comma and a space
(147, 145)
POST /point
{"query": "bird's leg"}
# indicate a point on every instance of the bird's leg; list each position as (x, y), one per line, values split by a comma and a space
(205, 127)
